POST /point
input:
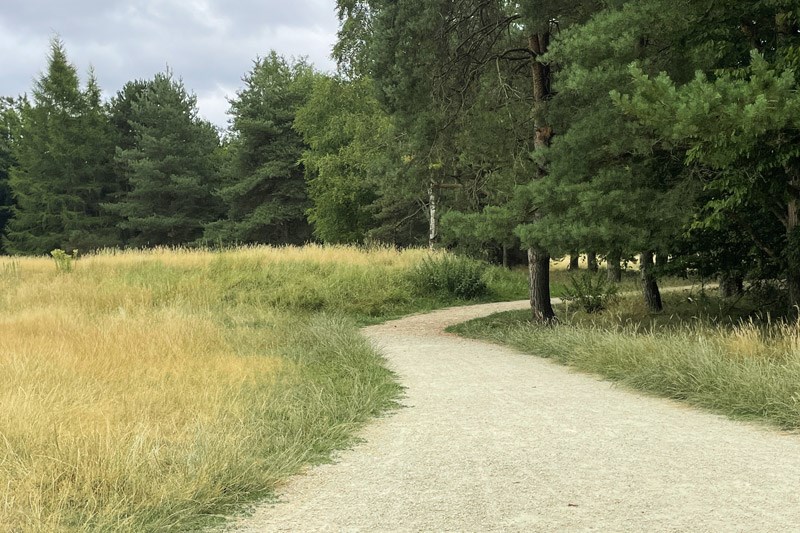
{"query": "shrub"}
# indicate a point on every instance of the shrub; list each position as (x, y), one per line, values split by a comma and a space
(593, 292)
(450, 275)
(63, 260)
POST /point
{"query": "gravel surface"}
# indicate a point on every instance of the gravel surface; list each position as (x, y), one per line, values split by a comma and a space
(493, 440)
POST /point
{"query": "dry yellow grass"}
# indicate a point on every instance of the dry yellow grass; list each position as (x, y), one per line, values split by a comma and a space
(145, 390)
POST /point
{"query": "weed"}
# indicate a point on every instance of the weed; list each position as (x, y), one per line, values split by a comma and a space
(593, 292)
(63, 260)
(450, 275)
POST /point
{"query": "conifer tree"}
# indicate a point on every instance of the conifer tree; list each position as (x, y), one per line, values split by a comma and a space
(606, 188)
(9, 123)
(63, 171)
(170, 169)
(264, 190)
(736, 120)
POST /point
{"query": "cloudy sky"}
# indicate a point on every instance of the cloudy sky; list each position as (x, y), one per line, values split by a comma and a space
(211, 44)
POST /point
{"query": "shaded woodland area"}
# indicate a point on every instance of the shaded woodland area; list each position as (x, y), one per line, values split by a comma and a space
(664, 130)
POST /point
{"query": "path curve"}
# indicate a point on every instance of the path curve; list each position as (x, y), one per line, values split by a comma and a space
(493, 440)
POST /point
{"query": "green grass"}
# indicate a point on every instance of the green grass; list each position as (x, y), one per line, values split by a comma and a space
(726, 356)
(162, 390)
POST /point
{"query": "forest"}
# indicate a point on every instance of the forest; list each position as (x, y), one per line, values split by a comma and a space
(661, 133)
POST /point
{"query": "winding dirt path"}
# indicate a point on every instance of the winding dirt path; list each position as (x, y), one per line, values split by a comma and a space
(493, 440)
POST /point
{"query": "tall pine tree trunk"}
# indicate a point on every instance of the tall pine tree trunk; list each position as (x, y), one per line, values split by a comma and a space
(539, 259)
(614, 269)
(539, 270)
(652, 296)
(591, 258)
(793, 240)
(793, 255)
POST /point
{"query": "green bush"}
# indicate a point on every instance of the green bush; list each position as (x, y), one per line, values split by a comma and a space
(593, 292)
(450, 275)
(63, 260)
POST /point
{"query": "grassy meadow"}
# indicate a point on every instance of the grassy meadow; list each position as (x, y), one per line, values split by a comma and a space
(147, 391)
(727, 355)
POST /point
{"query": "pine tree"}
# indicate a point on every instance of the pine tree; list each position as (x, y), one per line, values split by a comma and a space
(737, 121)
(92, 226)
(9, 123)
(171, 168)
(63, 171)
(264, 192)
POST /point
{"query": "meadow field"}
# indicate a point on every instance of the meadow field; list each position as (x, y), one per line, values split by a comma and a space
(160, 390)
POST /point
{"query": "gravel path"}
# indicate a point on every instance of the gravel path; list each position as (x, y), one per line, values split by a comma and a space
(492, 440)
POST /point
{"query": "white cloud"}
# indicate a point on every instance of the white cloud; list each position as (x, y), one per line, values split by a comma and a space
(213, 104)
(210, 44)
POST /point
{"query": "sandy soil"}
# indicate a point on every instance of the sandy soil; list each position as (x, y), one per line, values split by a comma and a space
(493, 440)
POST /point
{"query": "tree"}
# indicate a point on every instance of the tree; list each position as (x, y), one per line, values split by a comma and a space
(427, 61)
(264, 191)
(63, 173)
(433, 62)
(350, 152)
(610, 185)
(171, 168)
(737, 122)
(9, 124)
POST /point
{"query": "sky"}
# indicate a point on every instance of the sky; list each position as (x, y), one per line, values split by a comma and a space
(210, 44)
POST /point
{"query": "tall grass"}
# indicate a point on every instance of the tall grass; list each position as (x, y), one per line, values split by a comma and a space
(146, 391)
(712, 358)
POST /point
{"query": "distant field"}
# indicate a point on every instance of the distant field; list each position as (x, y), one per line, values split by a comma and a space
(157, 390)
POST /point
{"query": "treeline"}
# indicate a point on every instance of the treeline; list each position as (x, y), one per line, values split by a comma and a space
(143, 169)
(659, 131)
(662, 130)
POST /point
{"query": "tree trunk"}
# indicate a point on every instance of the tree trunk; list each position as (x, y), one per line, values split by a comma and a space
(574, 261)
(793, 255)
(433, 232)
(652, 296)
(505, 256)
(539, 270)
(614, 269)
(538, 259)
(792, 252)
(730, 284)
(591, 258)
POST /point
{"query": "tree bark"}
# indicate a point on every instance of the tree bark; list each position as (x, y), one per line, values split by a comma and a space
(539, 270)
(614, 268)
(574, 261)
(539, 259)
(591, 258)
(652, 296)
(793, 255)
(505, 256)
(793, 238)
